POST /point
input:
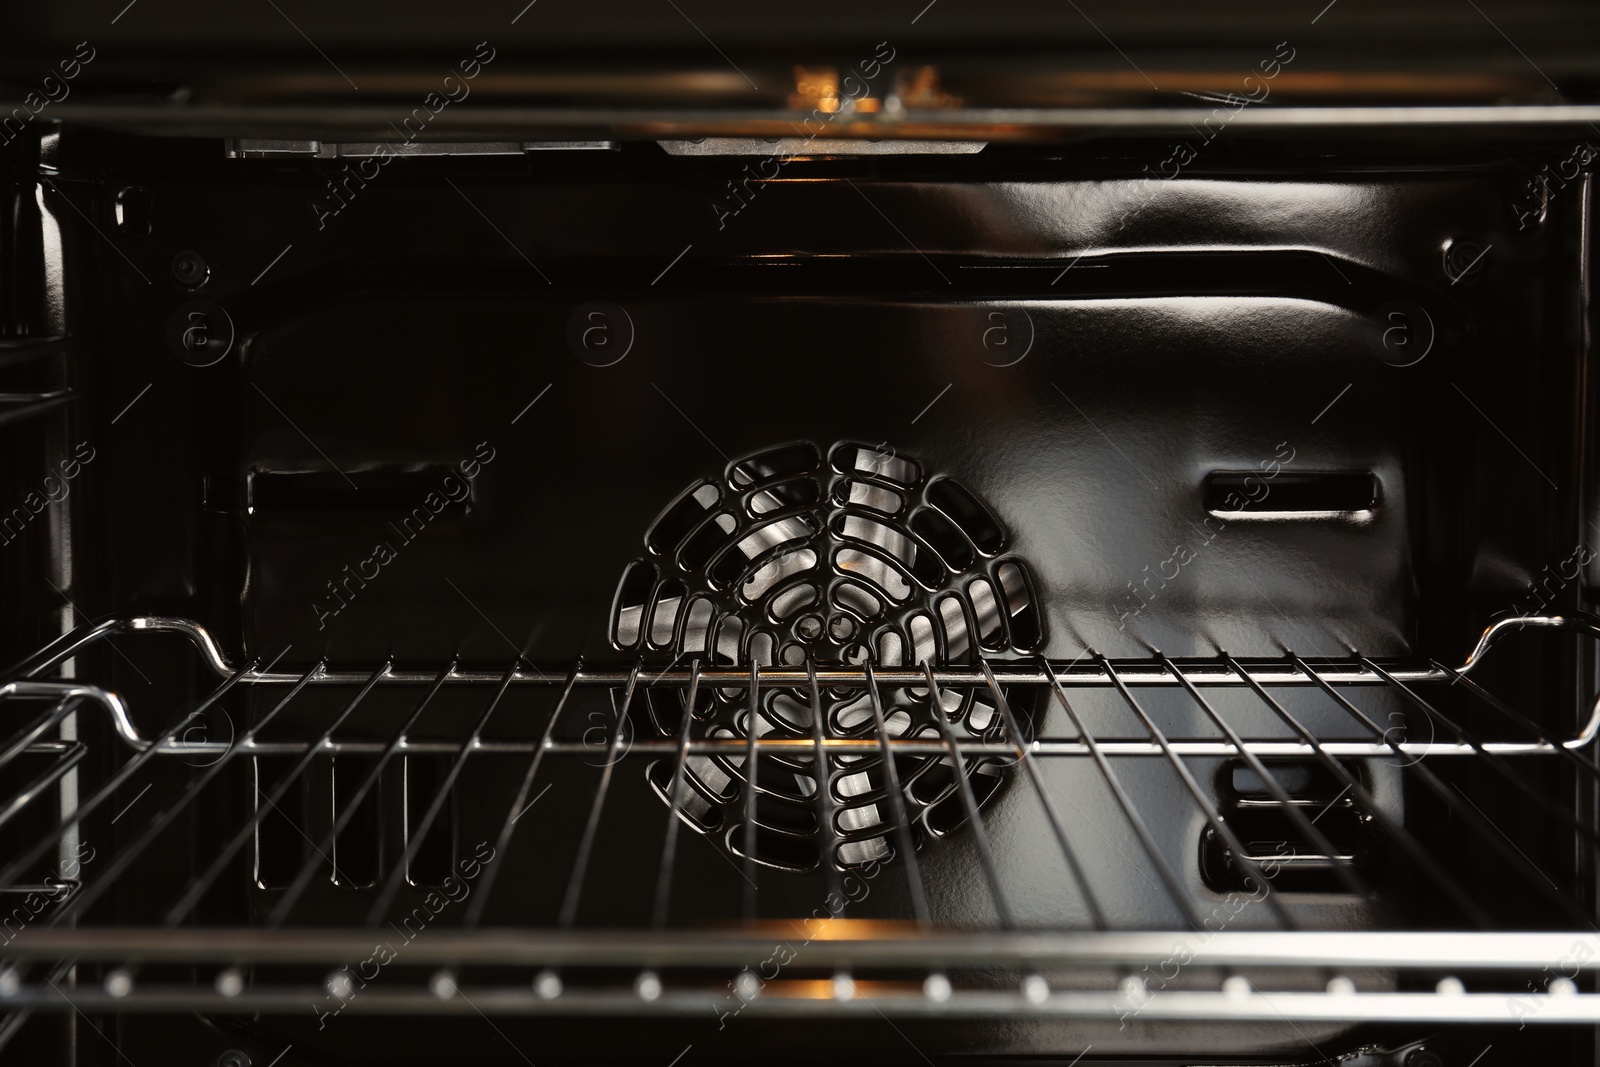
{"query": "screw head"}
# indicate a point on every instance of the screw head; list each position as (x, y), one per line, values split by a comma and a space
(442, 984)
(119, 983)
(190, 269)
(1463, 259)
(547, 985)
(338, 984)
(808, 627)
(230, 983)
(233, 1058)
(841, 627)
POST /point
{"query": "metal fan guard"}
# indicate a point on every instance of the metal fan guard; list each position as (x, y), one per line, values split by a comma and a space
(788, 559)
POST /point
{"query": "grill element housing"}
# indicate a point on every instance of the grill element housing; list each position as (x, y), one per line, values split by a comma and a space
(790, 559)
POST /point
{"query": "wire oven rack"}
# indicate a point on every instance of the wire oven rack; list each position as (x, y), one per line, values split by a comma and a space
(919, 966)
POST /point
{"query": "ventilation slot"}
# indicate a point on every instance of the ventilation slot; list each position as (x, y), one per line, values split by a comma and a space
(872, 497)
(632, 594)
(986, 610)
(430, 864)
(786, 460)
(1301, 495)
(1273, 839)
(707, 541)
(664, 619)
(885, 578)
(785, 495)
(856, 459)
(981, 528)
(279, 844)
(697, 628)
(355, 848)
(945, 539)
(776, 570)
(681, 518)
(1020, 606)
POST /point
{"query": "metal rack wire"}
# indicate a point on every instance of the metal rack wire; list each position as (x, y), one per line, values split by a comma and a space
(1287, 971)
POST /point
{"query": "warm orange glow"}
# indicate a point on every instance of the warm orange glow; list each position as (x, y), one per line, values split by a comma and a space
(803, 928)
(816, 89)
(822, 989)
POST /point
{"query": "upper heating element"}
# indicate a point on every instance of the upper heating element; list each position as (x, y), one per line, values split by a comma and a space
(787, 559)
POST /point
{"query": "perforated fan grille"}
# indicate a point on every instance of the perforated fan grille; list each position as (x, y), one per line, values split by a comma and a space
(787, 559)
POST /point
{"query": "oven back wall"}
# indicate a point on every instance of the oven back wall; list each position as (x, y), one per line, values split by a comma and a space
(455, 405)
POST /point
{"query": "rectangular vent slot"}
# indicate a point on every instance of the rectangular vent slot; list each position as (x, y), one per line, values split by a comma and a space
(280, 843)
(1286, 495)
(430, 863)
(1273, 838)
(356, 847)
(388, 491)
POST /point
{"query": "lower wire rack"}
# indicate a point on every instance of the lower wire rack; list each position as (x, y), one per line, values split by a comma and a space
(1154, 840)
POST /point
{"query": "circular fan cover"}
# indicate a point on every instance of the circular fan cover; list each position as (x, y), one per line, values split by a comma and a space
(862, 557)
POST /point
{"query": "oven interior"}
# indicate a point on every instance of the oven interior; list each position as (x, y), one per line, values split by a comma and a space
(1155, 609)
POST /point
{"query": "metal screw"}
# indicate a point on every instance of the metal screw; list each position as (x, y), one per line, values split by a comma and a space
(190, 270)
(1463, 258)
(443, 984)
(233, 1058)
(547, 985)
(338, 985)
(230, 983)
